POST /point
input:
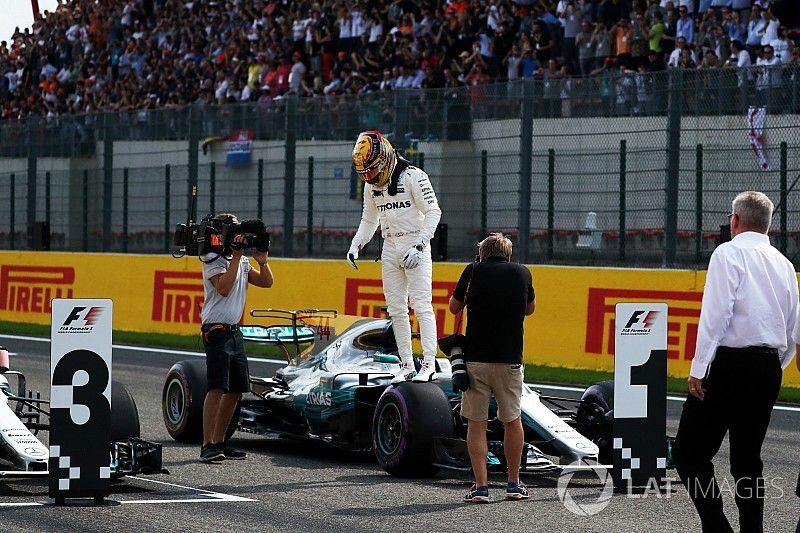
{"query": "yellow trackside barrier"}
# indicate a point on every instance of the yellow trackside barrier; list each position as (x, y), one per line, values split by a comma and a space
(572, 327)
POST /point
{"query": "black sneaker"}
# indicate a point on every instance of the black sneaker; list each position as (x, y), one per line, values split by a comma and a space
(211, 452)
(233, 453)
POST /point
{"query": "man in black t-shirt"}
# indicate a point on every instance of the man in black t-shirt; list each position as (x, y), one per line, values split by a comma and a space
(498, 295)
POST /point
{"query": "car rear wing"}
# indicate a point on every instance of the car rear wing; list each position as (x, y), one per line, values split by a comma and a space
(296, 332)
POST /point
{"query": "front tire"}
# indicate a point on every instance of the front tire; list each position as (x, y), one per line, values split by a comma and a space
(182, 400)
(406, 420)
(124, 414)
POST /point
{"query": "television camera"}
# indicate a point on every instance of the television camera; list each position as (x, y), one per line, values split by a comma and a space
(214, 236)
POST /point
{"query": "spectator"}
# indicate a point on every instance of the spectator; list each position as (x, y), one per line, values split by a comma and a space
(685, 25)
(585, 45)
(768, 77)
(782, 45)
(682, 55)
(755, 29)
(601, 41)
(542, 41)
(621, 32)
(297, 73)
(639, 44)
(769, 30)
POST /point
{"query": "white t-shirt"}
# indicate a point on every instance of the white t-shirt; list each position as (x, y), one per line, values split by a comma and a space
(359, 23)
(296, 76)
(375, 31)
(770, 32)
(345, 28)
(781, 48)
(218, 308)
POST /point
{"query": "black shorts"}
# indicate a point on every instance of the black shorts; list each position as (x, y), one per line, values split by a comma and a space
(226, 362)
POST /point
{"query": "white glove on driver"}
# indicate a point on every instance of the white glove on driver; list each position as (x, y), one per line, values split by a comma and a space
(352, 255)
(413, 256)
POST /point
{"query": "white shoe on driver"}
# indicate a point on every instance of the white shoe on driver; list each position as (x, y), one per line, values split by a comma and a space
(405, 373)
(427, 372)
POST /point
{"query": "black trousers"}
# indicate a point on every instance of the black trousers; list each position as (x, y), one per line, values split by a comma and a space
(742, 385)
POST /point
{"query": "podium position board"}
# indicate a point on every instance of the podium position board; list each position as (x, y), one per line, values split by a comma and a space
(80, 399)
(640, 393)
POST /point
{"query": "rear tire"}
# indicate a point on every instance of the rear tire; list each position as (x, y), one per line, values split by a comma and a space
(182, 400)
(124, 414)
(407, 418)
(597, 408)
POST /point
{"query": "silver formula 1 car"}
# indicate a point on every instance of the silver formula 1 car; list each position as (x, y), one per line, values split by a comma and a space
(23, 414)
(336, 389)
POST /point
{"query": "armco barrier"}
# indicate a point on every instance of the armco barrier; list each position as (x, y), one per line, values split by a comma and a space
(573, 325)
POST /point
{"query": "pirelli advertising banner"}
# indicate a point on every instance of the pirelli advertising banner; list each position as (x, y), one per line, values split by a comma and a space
(640, 394)
(573, 325)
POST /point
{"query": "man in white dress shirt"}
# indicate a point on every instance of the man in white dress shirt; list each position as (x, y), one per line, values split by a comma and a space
(745, 338)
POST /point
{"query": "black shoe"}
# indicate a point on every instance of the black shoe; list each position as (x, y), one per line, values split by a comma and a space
(234, 454)
(211, 452)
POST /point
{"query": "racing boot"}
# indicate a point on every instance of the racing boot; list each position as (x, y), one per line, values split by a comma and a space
(427, 372)
(406, 372)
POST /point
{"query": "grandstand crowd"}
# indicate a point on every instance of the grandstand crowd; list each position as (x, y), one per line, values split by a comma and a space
(123, 55)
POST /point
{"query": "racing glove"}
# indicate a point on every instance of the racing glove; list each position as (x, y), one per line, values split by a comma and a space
(352, 255)
(413, 256)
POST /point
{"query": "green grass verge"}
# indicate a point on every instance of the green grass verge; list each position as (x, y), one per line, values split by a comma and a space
(534, 373)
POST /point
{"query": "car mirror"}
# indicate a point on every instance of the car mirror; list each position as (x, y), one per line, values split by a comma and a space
(4, 363)
(386, 358)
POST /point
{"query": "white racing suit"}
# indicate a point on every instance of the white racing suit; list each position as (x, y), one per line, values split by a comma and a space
(406, 219)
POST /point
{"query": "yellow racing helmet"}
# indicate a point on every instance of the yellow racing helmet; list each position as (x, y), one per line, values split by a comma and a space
(374, 158)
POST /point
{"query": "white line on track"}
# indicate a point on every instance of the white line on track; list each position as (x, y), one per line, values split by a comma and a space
(209, 496)
(281, 362)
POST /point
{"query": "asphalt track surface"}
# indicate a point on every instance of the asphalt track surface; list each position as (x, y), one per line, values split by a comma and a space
(289, 486)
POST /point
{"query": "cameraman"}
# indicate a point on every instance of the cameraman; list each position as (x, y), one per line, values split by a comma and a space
(498, 295)
(225, 285)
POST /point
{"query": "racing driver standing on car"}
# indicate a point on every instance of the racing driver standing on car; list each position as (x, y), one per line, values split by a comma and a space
(399, 198)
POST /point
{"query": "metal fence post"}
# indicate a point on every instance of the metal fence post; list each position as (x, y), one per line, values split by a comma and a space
(167, 172)
(551, 202)
(212, 187)
(85, 210)
(310, 209)
(289, 175)
(401, 115)
(784, 198)
(525, 166)
(484, 191)
(674, 108)
(260, 200)
(12, 210)
(47, 198)
(195, 133)
(32, 124)
(698, 207)
(108, 180)
(623, 167)
(125, 210)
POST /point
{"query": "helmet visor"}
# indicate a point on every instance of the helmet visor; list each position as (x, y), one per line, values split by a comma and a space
(370, 175)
